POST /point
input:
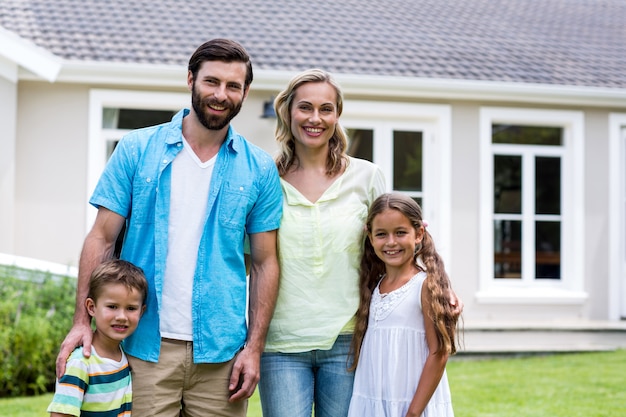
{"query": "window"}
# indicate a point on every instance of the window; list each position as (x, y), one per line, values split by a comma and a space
(407, 157)
(410, 143)
(527, 201)
(408, 163)
(531, 202)
(113, 113)
(117, 122)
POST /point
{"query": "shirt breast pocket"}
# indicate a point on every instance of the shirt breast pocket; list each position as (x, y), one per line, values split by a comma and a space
(143, 201)
(235, 202)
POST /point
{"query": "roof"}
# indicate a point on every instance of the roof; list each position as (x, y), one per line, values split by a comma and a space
(558, 42)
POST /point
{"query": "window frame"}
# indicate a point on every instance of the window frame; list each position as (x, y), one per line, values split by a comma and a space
(570, 288)
(434, 121)
(98, 136)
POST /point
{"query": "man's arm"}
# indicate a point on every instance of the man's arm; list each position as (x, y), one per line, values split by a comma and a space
(263, 292)
(98, 247)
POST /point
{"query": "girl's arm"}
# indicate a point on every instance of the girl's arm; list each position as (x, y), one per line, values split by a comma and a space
(435, 363)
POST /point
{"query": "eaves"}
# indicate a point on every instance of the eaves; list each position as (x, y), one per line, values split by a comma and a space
(382, 87)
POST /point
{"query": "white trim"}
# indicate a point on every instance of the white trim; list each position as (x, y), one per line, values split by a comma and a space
(388, 87)
(617, 216)
(570, 288)
(25, 53)
(96, 146)
(8, 69)
(475, 90)
(39, 265)
(124, 74)
(532, 296)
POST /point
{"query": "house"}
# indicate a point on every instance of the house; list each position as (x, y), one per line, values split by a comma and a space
(506, 120)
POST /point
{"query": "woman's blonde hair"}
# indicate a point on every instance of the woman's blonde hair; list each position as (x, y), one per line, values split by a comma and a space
(284, 136)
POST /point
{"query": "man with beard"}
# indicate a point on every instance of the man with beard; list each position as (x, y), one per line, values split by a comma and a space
(189, 191)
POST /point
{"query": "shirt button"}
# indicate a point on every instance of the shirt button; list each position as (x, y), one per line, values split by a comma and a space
(148, 179)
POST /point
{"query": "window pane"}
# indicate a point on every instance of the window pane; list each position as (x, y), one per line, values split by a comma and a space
(407, 161)
(526, 135)
(134, 118)
(548, 185)
(548, 250)
(110, 118)
(361, 143)
(507, 238)
(111, 145)
(507, 184)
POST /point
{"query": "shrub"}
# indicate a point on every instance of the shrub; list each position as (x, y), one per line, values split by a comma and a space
(36, 312)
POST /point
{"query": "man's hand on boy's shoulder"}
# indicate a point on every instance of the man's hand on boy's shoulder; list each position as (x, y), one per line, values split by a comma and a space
(79, 335)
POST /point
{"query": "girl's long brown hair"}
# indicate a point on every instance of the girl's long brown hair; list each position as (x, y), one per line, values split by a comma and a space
(437, 282)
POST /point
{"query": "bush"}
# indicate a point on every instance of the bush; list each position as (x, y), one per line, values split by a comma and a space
(36, 312)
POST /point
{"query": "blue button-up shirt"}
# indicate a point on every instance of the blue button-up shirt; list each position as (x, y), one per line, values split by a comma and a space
(245, 197)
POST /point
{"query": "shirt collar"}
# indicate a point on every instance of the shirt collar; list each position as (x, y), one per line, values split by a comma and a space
(233, 139)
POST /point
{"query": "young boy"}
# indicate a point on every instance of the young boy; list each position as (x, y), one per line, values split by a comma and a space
(101, 384)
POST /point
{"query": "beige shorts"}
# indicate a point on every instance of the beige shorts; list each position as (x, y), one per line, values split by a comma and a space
(176, 387)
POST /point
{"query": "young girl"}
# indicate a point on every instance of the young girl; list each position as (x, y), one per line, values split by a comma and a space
(405, 327)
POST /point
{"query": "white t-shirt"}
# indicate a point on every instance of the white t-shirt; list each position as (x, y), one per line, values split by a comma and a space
(191, 180)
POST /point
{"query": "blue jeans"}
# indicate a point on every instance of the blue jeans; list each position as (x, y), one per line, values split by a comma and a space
(291, 383)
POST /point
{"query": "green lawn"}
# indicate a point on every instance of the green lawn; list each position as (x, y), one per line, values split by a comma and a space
(585, 385)
(570, 385)
(36, 406)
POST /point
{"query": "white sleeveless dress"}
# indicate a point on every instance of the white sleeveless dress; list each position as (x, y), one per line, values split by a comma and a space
(393, 355)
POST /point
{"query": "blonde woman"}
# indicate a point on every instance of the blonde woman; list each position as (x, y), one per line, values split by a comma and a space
(326, 198)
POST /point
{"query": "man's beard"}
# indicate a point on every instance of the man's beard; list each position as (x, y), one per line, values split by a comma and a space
(210, 121)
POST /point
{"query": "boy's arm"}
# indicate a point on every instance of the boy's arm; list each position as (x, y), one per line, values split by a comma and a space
(263, 293)
(98, 247)
(435, 363)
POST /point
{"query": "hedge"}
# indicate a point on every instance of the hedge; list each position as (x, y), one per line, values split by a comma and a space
(36, 312)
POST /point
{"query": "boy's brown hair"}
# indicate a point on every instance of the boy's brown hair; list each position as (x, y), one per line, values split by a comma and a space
(117, 271)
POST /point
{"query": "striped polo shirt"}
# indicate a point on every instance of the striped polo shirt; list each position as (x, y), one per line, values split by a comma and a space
(93, 386)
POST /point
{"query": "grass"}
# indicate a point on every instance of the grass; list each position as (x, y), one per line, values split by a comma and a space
(36, 406)
(566, 385)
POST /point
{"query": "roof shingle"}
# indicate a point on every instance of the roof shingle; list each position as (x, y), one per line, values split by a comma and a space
(566, 42)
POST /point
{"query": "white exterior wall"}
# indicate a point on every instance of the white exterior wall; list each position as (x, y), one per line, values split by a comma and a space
(597, 213)
(51, 190)
(465, 203)
(8, 104)
(50, 174)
